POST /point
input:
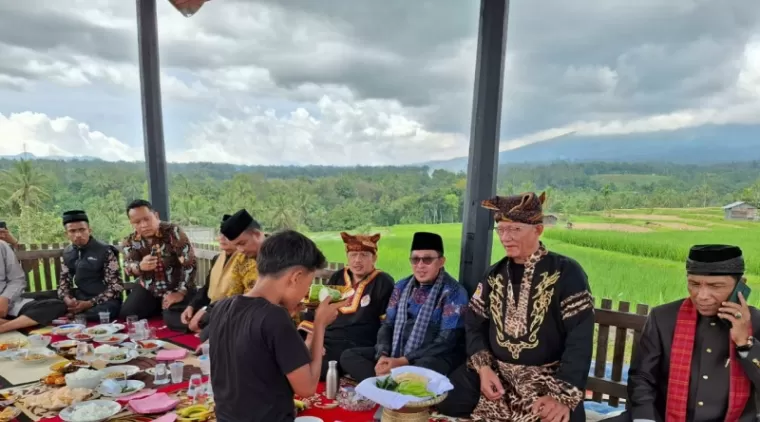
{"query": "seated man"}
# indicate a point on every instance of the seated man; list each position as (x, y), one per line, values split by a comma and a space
(244, 233)
(530, 328)
(93, 267)
(259, 359)
(696, 359)
(198, 307)
(17, 313)
(161, 256)
(358, 322)
(424, 324)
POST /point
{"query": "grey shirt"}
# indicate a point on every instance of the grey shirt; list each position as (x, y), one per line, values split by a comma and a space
(12, 279)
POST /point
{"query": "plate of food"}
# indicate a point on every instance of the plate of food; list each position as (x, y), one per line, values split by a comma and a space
(64, 367)
(101, 330)
(57, 398)
(120, 371)
(33, 356)
(115, 388)
(90, 411)
(110, 339)
(80, 336)
(122, 356)
(10, 347)
(150, 345)
(66, 329)
(56, 379)
(319, 292)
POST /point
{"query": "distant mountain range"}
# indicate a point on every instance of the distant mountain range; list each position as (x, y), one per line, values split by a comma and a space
(703, 145)
(30, 156)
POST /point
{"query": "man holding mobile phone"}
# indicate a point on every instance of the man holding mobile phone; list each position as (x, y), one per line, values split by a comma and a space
(697, 359)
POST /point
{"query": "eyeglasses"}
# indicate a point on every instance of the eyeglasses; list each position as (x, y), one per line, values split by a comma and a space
(512, 232)
(427, 260)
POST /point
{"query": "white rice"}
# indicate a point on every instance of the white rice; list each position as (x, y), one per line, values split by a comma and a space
(90, 412)
(83, 374)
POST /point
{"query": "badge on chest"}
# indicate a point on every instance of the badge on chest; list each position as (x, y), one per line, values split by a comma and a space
(365, 300)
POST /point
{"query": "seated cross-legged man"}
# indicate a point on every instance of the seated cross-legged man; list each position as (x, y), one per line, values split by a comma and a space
(424, 324)
(529, 328)
(17, 313)
(90, 281)
(259, 358)
(244, 233)
(160, 255)
(697, 359)
(358, 322)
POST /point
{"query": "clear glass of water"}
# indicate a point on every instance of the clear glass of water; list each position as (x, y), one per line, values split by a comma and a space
(80, 319)
(105, 317)
(177, 370)
(195, 388)
(161, 374)
(84, 351)
(131, 320)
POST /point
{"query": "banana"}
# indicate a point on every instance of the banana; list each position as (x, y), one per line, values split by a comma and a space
(194, 413)
(299, 404)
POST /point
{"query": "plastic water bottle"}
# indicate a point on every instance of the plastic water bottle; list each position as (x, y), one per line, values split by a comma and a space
(331, 390)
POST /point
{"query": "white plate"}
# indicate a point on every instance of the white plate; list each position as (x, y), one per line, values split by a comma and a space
(159, 345)
(47, 354)
(64, 344)
(106, 339)
(135, 387)
(73, 336)
(128, 369)
(66, 329)
(118, 327)
(131, 354)
(105, 328)
(113, 407)
(308, 419)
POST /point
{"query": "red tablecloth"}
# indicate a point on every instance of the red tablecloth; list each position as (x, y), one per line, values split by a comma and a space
(336, 414)
(162, 332)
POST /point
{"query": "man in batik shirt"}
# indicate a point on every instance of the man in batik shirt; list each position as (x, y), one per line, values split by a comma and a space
(90, 281)
(424, 322)
(697, 359)
(530, 328)
(160, 255)
(245, 235)
(358, 322)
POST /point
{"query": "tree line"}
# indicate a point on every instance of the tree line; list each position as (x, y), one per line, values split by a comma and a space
(33, 193)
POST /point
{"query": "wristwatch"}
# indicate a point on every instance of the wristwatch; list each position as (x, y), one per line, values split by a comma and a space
(746, 347)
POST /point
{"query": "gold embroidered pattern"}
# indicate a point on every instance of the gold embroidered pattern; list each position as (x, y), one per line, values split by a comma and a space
(517, 314)
(356, 299)
(577, 303)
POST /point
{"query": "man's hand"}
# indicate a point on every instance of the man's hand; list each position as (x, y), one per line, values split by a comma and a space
(327, 312)
(550, 410)
(81, 306)
(383, 366)
(172, 298)
(148, 263)
(187, 315)
(490, 384)
(195, 322)
(738, 315)
(4, 306)
(70, 302)
(6, 236)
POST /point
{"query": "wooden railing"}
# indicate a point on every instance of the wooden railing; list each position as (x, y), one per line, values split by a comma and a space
(42, 264)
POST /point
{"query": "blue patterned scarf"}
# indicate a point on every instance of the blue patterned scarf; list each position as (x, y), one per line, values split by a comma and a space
(417, 335)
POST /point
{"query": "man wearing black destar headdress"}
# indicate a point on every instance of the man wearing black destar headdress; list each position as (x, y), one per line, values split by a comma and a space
(90, 281)
(424, 322)
(697, 359)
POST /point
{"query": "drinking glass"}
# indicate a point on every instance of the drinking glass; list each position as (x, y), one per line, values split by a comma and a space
(105, 317)
(80, 319)
(84, 351)
(131, 320)
(205, 348)
(177, 372)
(195, 388)
(161, 375)
(205, 364)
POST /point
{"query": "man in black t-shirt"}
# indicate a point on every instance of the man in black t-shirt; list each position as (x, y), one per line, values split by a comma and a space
(258, 358)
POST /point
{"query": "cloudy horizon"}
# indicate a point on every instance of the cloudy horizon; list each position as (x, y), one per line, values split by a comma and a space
(345, 83)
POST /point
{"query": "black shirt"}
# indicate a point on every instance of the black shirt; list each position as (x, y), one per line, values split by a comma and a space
(254, 345)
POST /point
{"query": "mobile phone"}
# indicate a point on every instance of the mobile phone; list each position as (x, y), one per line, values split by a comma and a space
(3, 225)
(740, 287)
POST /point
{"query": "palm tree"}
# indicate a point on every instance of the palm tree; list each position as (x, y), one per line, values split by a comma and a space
(23, 186)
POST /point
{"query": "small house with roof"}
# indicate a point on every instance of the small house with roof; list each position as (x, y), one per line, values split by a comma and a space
(740, 210)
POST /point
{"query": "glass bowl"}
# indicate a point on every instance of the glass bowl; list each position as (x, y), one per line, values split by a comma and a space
(349, 399)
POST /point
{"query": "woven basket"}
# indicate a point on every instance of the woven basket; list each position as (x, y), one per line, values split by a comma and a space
(413, 412)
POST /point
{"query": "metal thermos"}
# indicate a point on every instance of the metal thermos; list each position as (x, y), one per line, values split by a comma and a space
(331, 387)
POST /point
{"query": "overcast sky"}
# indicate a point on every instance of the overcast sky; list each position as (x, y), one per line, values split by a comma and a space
(349, 82)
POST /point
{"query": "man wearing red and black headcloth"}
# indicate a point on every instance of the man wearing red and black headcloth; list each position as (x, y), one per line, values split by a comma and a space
(697, 359)
(529, 328)
(358, 322)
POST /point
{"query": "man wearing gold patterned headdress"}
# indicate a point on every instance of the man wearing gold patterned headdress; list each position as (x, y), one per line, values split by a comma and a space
(358, 322)
(529, 328)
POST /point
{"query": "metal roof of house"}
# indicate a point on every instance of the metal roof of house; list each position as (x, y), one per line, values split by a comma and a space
(734, 205)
